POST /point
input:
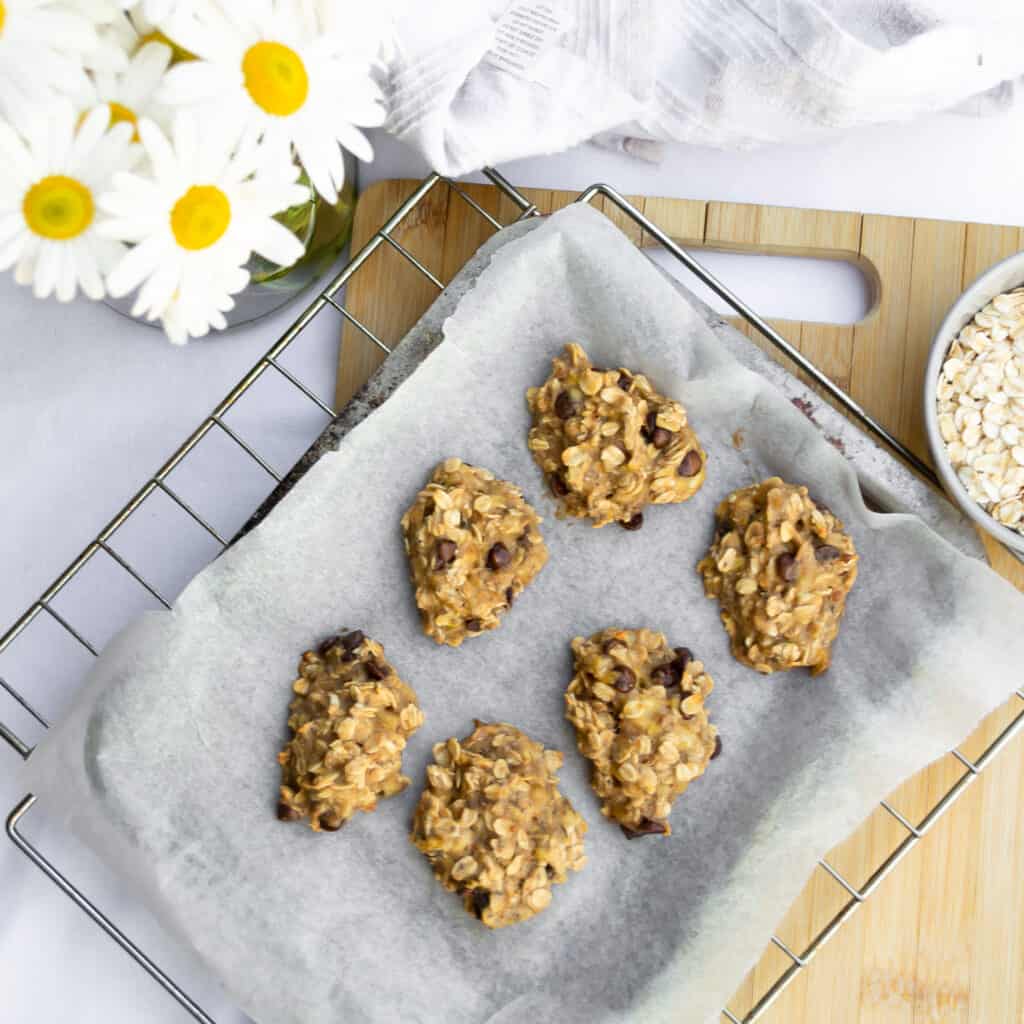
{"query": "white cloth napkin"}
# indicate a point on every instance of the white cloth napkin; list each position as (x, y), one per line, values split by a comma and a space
(476, 83)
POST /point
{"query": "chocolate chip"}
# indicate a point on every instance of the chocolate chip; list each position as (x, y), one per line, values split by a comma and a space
(481, 898)
(634, 522)
(444, 553)
(550, 870)
(647, 827)
(350, 643)
(332, 825)
(569, 403)
(353, 640)
(625, 380)
(664, 675)
(718, 748)
(653, 434)
(827, 553)
(498, 557)
(610, 645)
(559, 488)
(690, 466)
(624, 680)
(286, 813)
(331, 641)
(510, 596)
(375, 670)
(683, 657)
(786, 566)
(474, 625)
(428, 507)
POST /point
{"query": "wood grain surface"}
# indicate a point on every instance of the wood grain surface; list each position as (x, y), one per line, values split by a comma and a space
(942, 938)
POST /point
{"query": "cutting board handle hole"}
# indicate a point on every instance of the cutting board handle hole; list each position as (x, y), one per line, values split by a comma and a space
(838, 289)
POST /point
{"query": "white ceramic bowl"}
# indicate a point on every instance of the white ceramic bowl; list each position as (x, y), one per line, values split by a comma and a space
(1003, 277)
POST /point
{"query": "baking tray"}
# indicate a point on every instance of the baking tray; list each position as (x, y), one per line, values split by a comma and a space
(893, 484)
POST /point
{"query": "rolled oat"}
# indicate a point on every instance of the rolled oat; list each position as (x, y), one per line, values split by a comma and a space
(980, 406)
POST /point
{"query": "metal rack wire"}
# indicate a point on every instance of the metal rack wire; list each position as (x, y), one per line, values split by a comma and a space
(853, 895)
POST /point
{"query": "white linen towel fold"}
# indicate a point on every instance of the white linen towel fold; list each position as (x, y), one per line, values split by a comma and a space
(475, 83)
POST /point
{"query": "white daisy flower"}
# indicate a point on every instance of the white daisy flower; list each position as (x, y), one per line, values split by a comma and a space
(131, 92)
(49, 183)
(43, 45)
(193, 223)
(271, 66)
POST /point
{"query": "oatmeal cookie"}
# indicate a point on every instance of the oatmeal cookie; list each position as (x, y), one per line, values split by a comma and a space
(609, 444)
(350, 719)
(637, 706)
(494, 825)
(473, 545)
(781, 567)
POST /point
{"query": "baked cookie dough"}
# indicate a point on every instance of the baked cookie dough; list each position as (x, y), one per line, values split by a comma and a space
(350, 719)
(781, 567)
(637, 706)
(494, 826)
(609, 444)
(473, 545)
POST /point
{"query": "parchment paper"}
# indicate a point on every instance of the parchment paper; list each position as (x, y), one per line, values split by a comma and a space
(167, 762)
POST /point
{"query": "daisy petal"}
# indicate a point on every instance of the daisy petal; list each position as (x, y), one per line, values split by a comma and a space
(157, 292)
(185, 139)
(26, 264)
(194, 82)
(319, 174)
(159, 151)
(354, 141)
(15, 155)
(67, 278)
(11, 224)
(276, 243)
(86, 270)
(44, 278)
(11, 251)
(88, 135)
(145, 73)
(136, 265)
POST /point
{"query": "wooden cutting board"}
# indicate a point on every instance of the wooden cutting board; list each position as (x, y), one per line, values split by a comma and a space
(942, 939)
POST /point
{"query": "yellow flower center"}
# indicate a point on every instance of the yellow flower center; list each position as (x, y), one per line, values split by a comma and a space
(200, 217)
(120, 114)
(275, 77)
(3, 15)
(58, 207)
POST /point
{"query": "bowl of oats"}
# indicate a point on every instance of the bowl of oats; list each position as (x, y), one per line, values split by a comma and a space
(974, 402)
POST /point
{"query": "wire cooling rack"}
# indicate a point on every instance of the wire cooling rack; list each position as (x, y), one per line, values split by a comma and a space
(852, 895)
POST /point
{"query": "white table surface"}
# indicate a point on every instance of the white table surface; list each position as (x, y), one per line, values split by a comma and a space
(91, 404)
